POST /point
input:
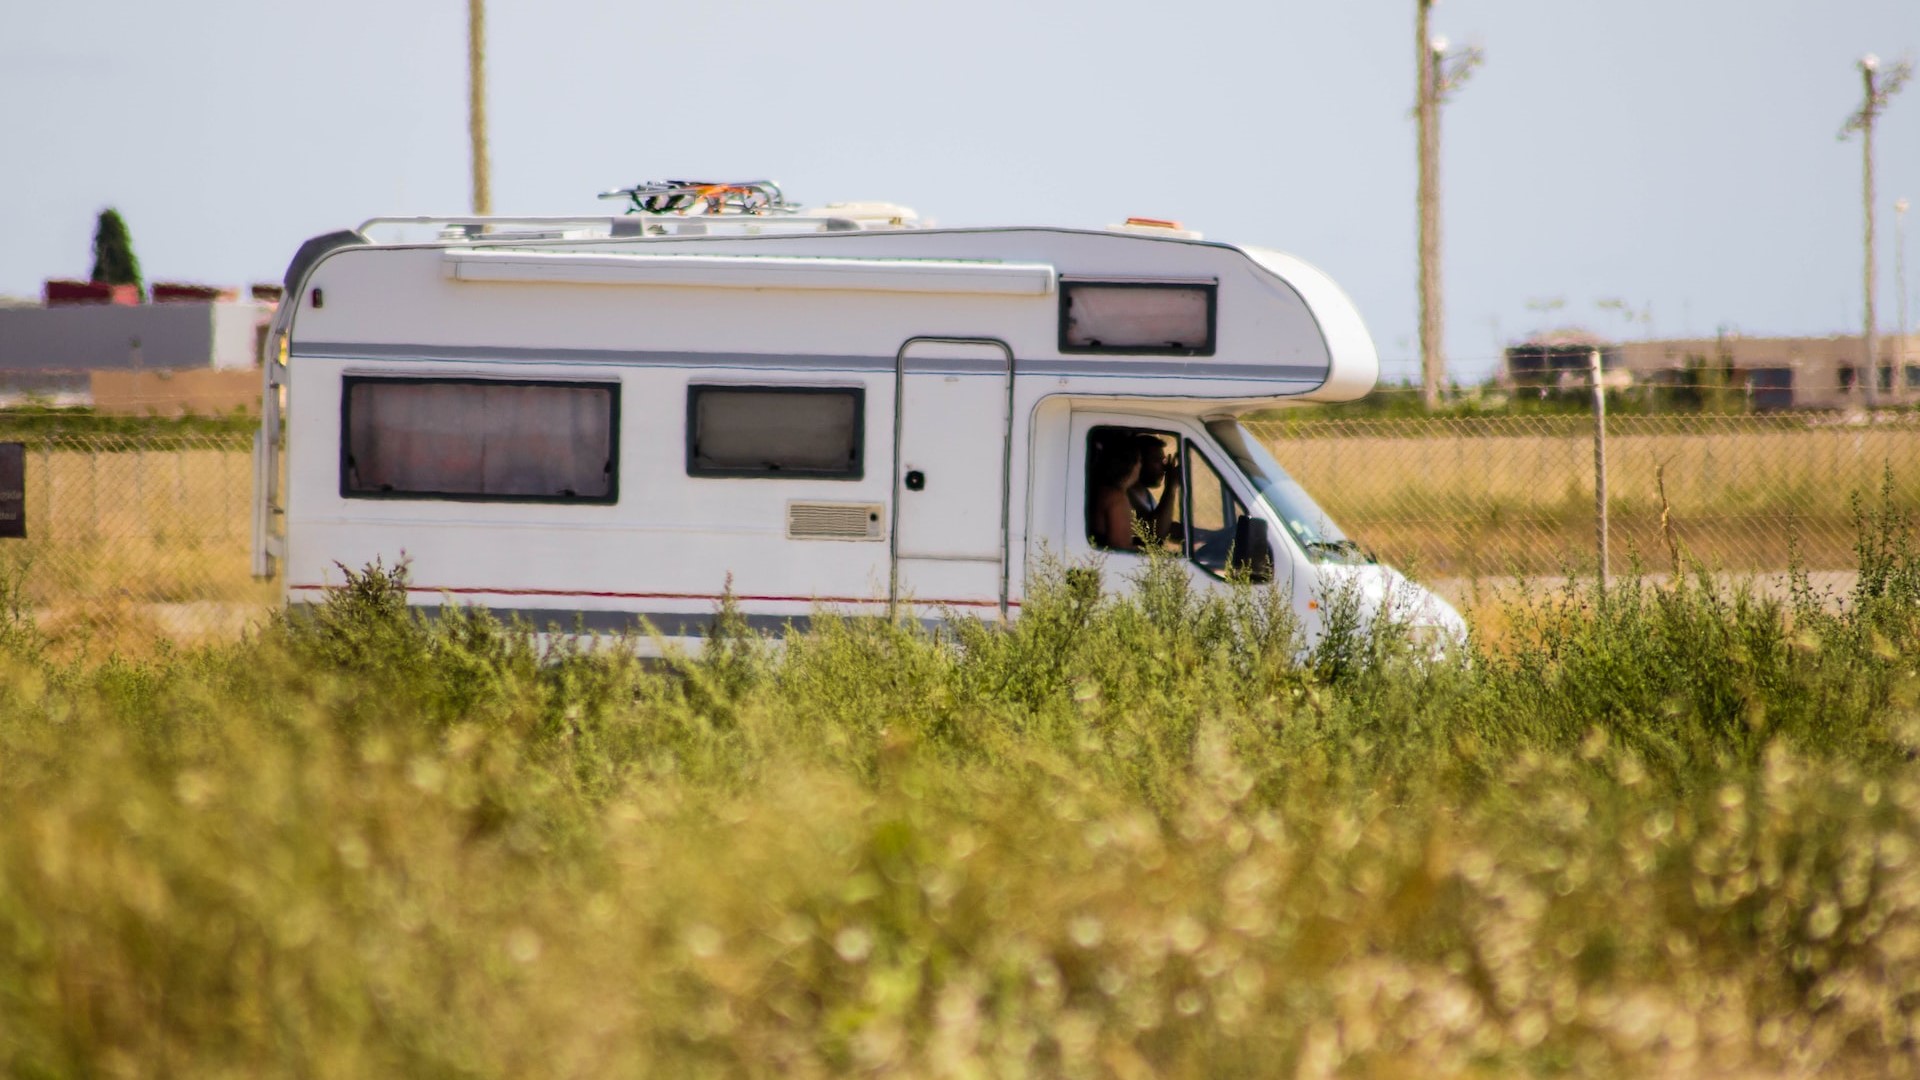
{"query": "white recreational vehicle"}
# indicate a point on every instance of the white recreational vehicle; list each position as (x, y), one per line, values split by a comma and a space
(608, 422)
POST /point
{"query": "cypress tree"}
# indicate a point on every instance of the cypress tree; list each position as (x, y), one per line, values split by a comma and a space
(113, 259)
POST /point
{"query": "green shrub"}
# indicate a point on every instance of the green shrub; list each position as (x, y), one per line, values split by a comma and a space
(1658, 829)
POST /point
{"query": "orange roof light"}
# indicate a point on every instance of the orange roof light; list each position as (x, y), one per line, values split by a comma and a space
(1153, 223)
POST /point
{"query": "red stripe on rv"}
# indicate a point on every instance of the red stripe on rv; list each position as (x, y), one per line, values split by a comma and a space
(471, 591)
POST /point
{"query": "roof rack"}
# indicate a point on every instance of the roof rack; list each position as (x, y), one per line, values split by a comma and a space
(666, 208)
(704, 197)
(478, 222)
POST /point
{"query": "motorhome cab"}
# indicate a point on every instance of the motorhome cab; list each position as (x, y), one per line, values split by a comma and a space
(609, 422)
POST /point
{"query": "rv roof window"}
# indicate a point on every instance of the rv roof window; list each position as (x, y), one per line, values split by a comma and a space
(479, 440)
(1137, 317)
(769, 431)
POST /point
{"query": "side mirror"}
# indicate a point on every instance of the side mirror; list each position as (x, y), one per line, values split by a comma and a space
(1253, 549)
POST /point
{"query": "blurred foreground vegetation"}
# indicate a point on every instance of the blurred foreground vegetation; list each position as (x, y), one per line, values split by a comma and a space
(1651, 830)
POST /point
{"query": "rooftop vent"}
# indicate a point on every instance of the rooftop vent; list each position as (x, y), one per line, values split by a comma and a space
(1155, 227)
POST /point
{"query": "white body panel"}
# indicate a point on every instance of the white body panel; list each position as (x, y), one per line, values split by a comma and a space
(995, 462)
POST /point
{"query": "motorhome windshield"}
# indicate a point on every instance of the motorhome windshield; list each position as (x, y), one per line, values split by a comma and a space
(1312, 529)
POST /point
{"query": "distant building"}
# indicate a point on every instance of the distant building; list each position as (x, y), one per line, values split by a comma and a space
(1562, 360)
(62, 293)
(81, 327)
(1773, 373)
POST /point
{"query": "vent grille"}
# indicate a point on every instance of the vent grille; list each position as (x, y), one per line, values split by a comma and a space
(835, 521)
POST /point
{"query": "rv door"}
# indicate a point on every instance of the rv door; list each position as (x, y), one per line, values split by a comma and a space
(952, 433)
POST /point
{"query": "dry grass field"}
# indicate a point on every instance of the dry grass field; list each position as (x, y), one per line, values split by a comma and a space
(127, 543)
(1506, 496)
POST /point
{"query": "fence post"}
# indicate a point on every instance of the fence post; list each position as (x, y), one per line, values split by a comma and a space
(46, 487)
(1600, 463)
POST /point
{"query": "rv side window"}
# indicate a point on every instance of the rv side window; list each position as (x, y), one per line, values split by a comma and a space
(479, 440)
(795, 432)
(1137, 317)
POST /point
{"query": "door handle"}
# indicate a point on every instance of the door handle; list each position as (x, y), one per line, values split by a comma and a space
(915, 480)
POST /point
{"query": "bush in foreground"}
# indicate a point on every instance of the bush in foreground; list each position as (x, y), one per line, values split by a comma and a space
(1657, 829)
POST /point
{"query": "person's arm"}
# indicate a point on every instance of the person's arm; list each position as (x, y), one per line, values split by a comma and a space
(1116, 522)
(1169, 501)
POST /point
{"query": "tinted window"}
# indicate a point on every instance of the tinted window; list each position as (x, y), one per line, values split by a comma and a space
(1136, 317)
(479, 440)
(799, 432)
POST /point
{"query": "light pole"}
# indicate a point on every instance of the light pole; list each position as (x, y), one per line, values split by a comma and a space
(477, 103)
(1878, 92)
(1439, 73)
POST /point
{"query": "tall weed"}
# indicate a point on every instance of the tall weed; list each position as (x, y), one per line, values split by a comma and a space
(1655, 829)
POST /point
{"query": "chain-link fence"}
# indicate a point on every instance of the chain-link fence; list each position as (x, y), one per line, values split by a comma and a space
(1503, 495)
(132, 536)
(135, 537)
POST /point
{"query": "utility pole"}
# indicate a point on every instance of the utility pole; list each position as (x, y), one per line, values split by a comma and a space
(1439, 73)
(477, 103)
(1878, 92)
(1900, 286)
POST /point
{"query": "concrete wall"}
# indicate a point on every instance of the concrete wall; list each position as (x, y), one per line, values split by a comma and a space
(204, 392)
(1824, 373)
(236, 334)
(44, 347)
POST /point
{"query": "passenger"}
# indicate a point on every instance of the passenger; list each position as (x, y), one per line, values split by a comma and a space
(1156, 511)
(1116, 467)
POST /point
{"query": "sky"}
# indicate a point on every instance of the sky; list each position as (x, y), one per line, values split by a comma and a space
(1677, 159)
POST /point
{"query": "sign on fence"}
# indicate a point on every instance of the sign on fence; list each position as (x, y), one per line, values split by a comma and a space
(13, 490)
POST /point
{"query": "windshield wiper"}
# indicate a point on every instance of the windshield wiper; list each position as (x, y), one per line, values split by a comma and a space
(1339, 547)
